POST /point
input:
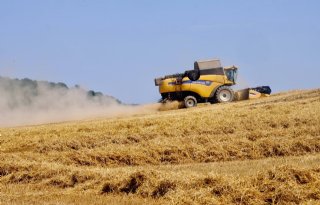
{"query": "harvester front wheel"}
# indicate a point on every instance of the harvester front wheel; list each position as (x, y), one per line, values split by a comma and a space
(190, 101)
(224, 94)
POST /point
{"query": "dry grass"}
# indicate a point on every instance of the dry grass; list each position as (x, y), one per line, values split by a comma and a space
(264, 151)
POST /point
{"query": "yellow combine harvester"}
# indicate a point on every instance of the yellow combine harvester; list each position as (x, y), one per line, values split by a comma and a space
(207, 82)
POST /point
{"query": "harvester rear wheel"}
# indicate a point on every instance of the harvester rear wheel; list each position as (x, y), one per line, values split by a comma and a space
(190, 101)
(224, 94)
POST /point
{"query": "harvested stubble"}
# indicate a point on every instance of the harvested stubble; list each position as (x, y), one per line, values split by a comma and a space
(155, 158)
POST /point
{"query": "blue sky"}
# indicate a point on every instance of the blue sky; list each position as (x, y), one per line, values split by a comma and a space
(119, 47)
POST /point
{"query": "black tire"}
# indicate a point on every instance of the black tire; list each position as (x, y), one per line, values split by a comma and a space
(190, 101)
(224, 94)
(193, 75)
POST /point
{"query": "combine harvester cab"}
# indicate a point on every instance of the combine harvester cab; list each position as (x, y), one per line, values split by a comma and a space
(207, 82)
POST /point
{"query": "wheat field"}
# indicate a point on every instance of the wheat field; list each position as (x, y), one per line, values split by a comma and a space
(262, 151)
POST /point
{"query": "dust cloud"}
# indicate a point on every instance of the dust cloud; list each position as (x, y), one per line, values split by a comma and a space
(28, 102)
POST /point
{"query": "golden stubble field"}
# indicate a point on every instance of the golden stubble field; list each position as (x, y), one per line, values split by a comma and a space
(263, 151)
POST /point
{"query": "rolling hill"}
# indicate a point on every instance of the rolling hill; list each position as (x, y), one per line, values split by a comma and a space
(263, 151)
